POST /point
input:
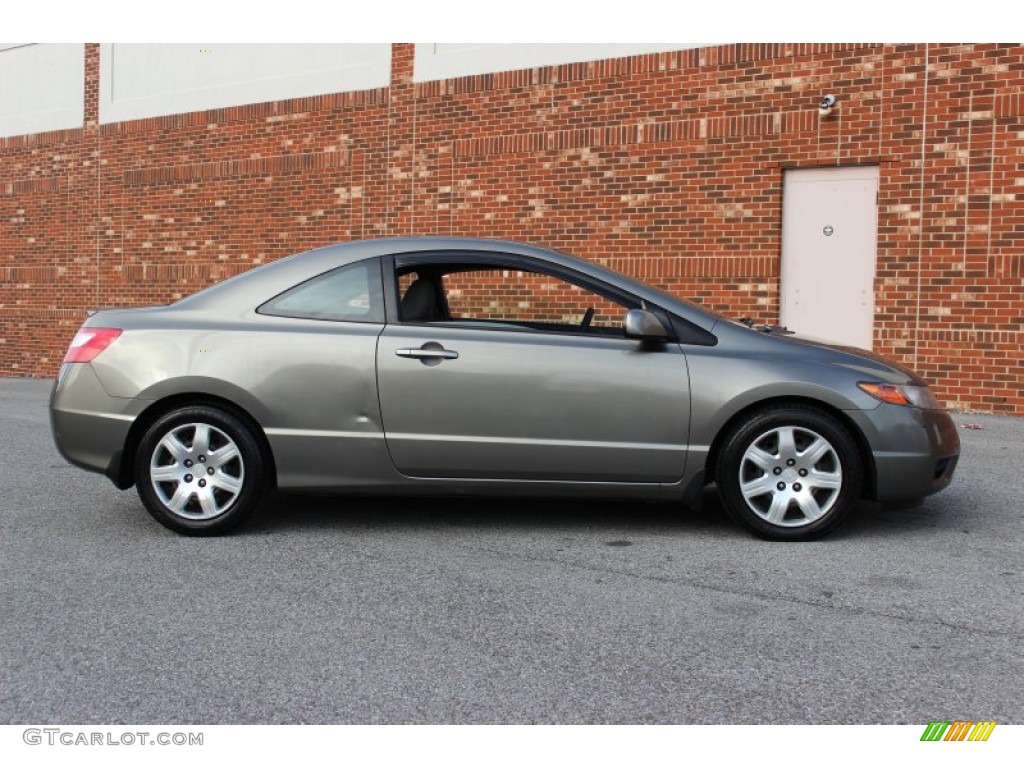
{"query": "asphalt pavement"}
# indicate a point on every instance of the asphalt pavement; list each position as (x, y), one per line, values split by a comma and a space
(355, 610)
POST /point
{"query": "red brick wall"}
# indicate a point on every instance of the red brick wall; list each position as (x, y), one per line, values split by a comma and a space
(665, 166)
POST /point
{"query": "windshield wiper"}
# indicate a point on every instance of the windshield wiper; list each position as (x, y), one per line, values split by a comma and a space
(780, 330)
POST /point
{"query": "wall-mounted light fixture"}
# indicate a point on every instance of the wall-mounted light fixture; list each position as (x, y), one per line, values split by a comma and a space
(827, 104)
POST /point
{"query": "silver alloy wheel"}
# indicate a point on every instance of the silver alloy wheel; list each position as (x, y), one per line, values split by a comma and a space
(790, 476)
(197, 471)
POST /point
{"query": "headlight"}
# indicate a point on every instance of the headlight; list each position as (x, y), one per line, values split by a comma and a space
(902, 394)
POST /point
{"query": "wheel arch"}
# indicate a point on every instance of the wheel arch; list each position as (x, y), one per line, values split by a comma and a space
(864, 450)
(122, 469)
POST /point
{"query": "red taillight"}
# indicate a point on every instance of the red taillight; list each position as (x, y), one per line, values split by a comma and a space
(89, 342)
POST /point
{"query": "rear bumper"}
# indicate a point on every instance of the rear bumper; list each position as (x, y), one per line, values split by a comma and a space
(915, 452)
(89, 427)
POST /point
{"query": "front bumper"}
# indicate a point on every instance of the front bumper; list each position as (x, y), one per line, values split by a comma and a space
(915, 452)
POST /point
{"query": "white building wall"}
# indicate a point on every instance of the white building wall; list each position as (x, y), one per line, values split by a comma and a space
(42, 87)
(148, 80)
(438, 61)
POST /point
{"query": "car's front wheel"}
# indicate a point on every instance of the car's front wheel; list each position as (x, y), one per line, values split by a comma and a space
(200, 471)
(791, 472)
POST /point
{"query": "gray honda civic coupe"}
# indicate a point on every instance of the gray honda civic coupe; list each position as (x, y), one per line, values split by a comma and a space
(481, 367)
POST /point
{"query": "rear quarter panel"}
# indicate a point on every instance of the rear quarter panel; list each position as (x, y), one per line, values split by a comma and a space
(310, 385)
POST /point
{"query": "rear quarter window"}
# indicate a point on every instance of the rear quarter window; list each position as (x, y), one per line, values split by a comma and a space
(351, 293)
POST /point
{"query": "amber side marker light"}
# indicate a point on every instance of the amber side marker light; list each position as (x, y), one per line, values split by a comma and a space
(89, 342)
(887, 393)
(906, 394)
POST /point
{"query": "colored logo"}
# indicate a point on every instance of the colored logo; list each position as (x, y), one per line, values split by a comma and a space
(958, 730)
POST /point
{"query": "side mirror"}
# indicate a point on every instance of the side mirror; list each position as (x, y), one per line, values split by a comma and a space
(644, 325)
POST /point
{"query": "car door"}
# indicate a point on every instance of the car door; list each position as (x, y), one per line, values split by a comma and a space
(504, 370)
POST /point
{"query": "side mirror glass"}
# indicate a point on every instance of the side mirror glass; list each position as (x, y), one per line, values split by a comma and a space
(644, 325)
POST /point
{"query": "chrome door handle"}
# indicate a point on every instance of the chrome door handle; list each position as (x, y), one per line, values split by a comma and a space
(428, 353)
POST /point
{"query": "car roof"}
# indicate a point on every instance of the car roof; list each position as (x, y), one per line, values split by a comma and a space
(251, 288)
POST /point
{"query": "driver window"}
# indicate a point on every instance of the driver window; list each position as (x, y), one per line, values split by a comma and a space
(516, 298)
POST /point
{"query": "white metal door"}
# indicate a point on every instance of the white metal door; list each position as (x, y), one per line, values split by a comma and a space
(829, 241)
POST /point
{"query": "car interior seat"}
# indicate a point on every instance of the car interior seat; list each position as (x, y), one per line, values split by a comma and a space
(421, 303)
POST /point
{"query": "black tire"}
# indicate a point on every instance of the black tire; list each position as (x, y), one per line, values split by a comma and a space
(789, 473)
(200, 471)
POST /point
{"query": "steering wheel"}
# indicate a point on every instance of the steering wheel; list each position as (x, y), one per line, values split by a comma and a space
(588, 317)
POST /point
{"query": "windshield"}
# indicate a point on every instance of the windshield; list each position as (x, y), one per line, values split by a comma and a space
(656, 295)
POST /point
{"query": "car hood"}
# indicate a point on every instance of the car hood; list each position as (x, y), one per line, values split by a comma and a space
(778, 342)
(859, 359)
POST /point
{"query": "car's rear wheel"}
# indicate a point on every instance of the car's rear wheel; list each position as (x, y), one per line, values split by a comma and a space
(200, 471)
(790, 472)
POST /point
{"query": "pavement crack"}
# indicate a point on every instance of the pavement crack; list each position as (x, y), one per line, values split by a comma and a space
(771, 597)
